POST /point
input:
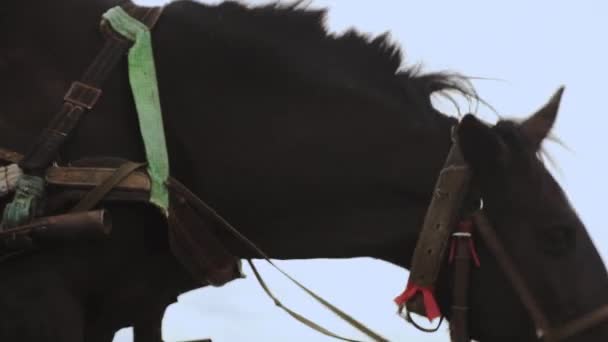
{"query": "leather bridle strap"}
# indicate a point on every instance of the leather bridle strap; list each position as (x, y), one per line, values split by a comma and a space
(84, 93)
(508, 267)
(543, 329)
(579, 325)
(461, 260)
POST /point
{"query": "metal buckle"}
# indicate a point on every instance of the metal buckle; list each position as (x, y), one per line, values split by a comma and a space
(82, 95)
(461, 234)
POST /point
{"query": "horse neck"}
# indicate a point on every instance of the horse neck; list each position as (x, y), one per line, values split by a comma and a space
(345, 168)
(385, 226)
(424, 145)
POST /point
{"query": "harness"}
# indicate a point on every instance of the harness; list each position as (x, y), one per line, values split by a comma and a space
(191, 221)
(126, 29)
(453, 216)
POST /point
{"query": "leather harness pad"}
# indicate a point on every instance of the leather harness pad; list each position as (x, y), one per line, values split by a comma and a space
(194, 244)
(446, 203)
(89, 177)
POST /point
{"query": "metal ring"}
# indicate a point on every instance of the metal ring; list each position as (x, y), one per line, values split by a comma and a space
(461, 234)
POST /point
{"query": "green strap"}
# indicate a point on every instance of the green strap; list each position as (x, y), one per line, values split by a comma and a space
(142, 75)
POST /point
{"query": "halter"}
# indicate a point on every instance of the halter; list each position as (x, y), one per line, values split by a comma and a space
(451, 201)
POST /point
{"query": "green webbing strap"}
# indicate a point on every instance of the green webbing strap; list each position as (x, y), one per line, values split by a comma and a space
(28, 194)
(142, 75)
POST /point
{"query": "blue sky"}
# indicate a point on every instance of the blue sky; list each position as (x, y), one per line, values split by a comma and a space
(532, 47)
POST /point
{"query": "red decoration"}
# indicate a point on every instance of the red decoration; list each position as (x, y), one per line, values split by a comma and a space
(465, 227)
(430, 304)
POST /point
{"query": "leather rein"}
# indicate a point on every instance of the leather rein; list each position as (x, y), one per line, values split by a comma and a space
(444, 222)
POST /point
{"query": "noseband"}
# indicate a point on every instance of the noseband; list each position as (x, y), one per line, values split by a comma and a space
(452, 200)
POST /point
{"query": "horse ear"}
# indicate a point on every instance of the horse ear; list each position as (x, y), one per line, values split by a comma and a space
(481, 147)
(539, 124)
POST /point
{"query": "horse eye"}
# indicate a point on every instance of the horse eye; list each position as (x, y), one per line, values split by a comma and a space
(557, 240)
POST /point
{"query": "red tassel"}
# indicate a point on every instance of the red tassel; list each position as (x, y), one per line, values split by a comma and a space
(452, 250)
(473, 252)
(430, 304)
(465, 227)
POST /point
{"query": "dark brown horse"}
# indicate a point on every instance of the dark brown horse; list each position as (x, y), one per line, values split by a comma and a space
(314, 146)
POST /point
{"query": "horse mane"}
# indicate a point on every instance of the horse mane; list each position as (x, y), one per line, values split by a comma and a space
(299, 34)
(296, 36)
(297, 26)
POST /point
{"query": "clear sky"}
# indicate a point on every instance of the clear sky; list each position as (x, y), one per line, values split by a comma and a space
(533, 47)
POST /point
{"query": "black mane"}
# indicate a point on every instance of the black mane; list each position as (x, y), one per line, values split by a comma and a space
(298, 27)
(297, 36)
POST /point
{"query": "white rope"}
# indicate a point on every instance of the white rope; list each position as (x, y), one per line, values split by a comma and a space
(8, 178)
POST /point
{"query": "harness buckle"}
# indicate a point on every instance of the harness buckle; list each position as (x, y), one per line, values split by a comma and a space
(83, 95)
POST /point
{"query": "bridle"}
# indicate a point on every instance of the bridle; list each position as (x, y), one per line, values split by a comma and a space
(450, 203)
(544, 331)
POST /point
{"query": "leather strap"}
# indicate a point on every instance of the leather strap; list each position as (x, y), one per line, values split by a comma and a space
(508, 267)
(579, 325)
(87, 178)
(83, 94)
(459, 322)
(193, 242)
(93, 197)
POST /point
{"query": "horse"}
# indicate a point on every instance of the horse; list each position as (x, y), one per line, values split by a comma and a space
(313, 145)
